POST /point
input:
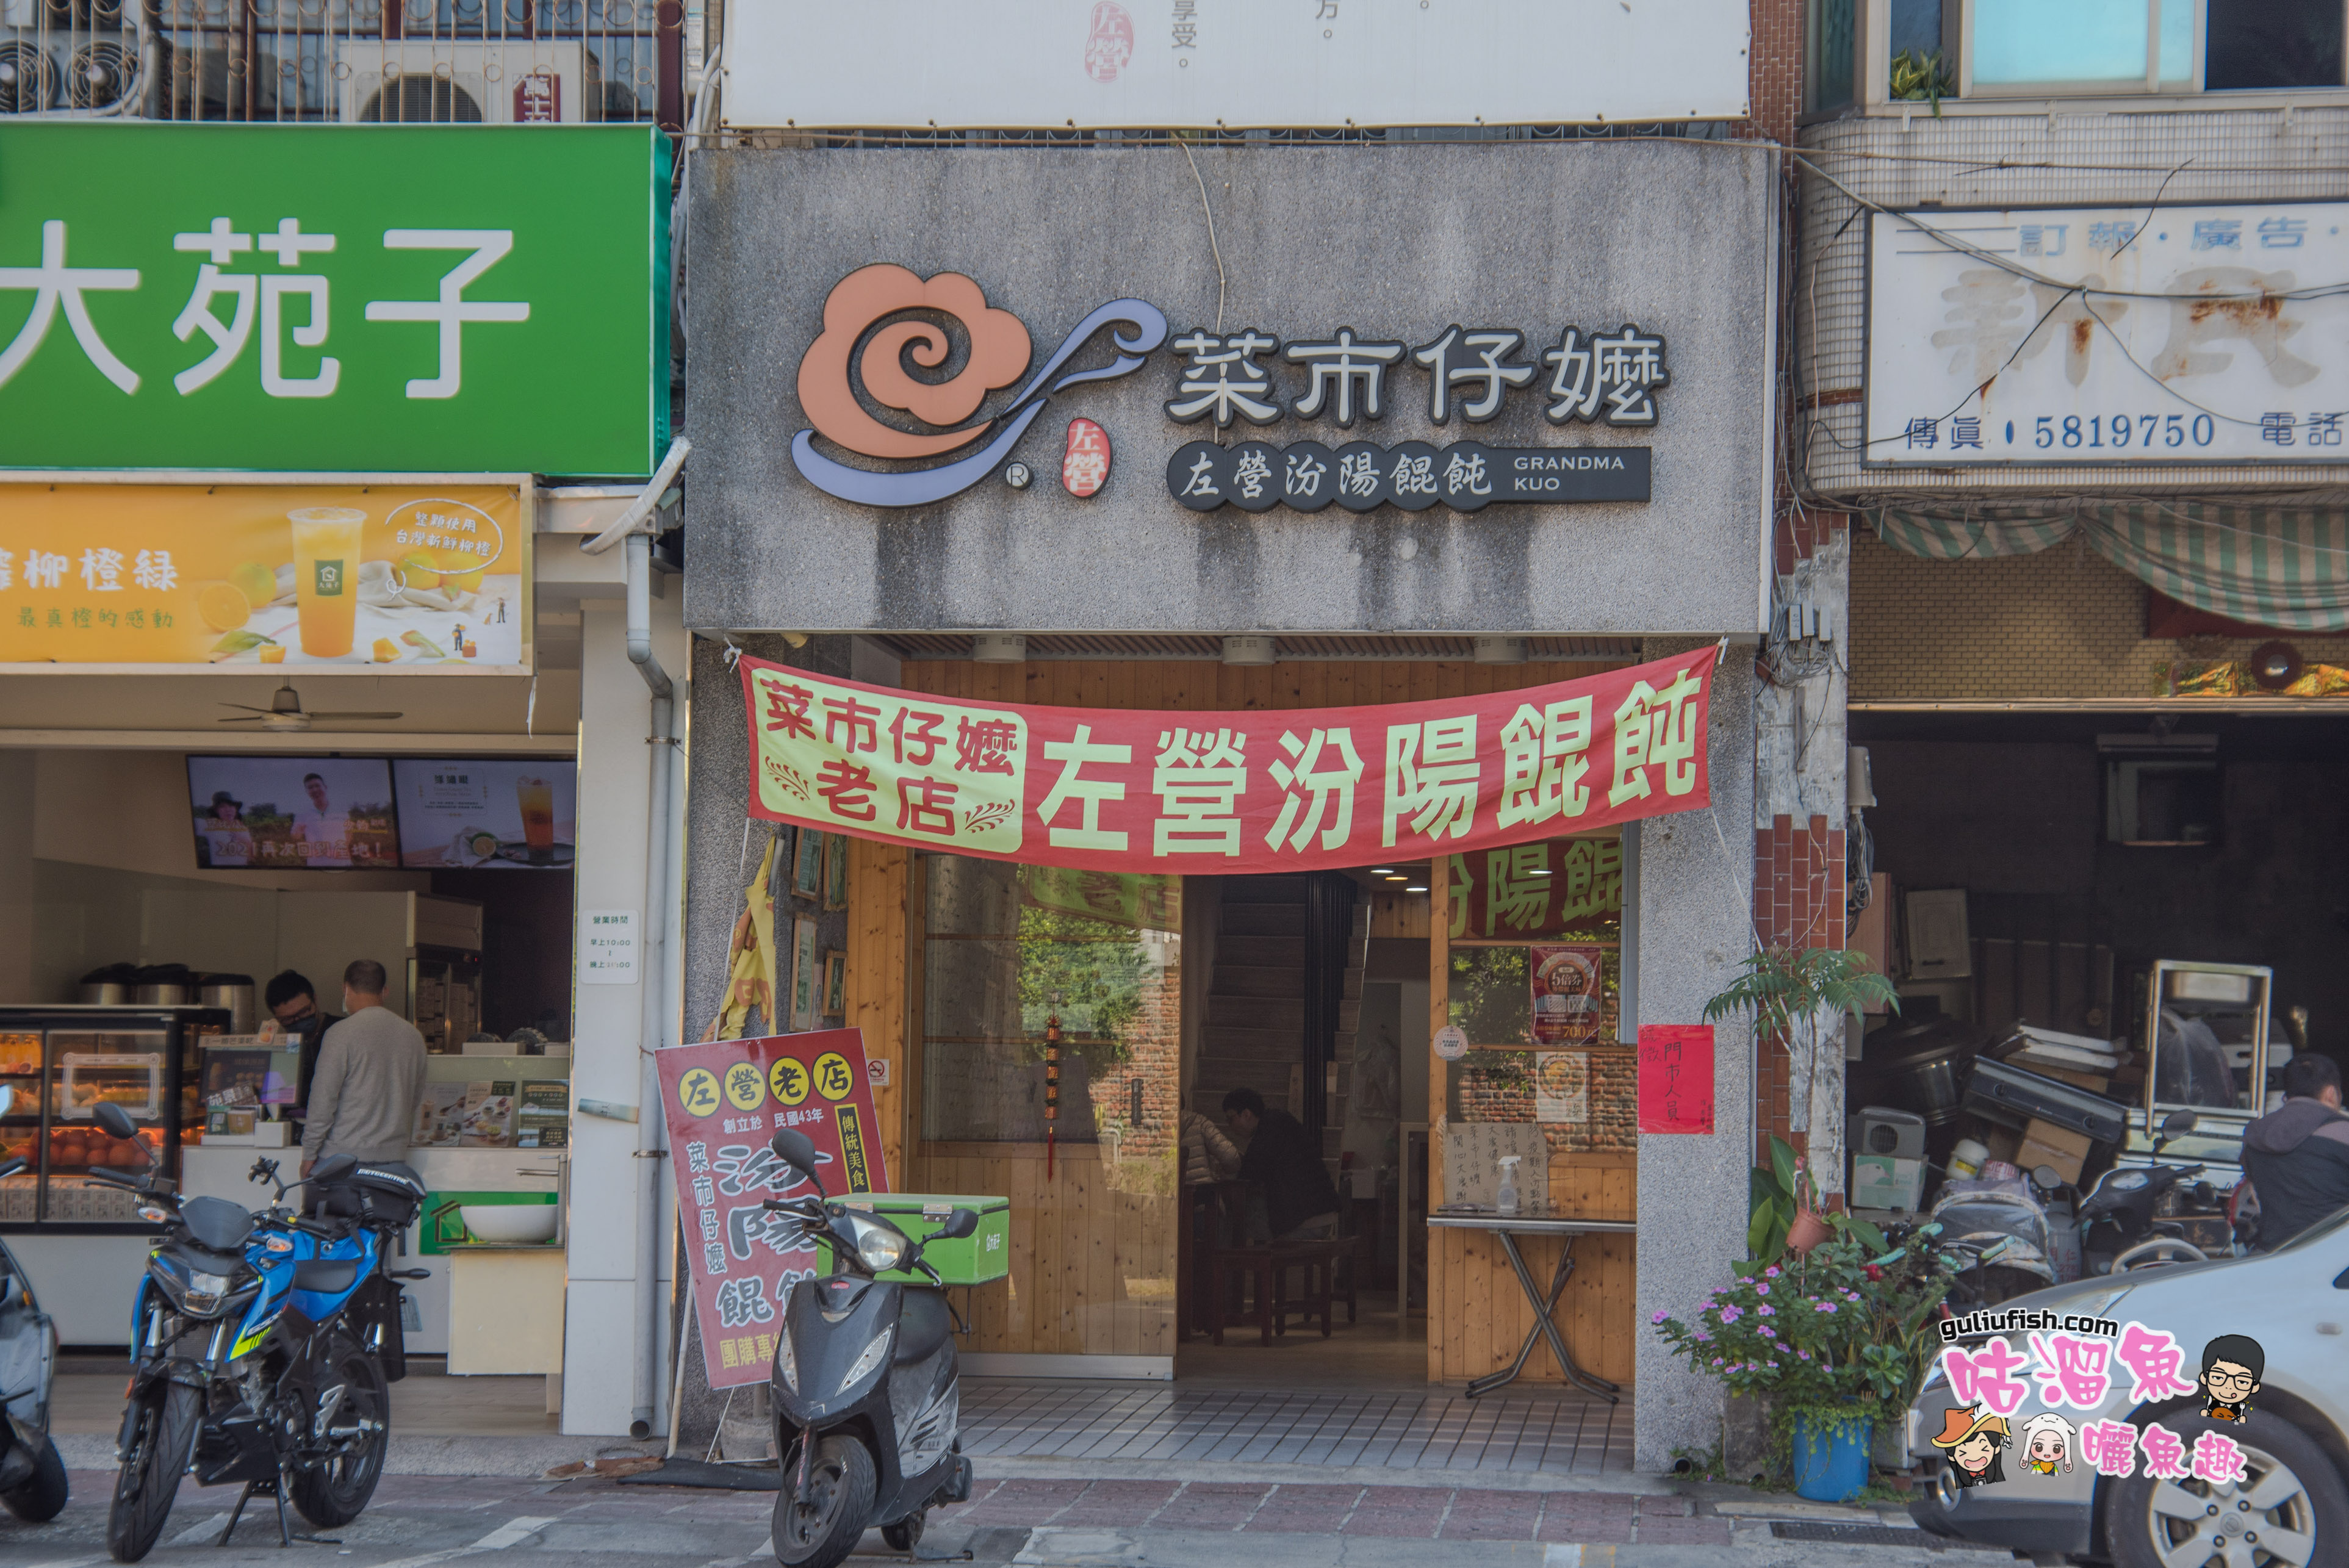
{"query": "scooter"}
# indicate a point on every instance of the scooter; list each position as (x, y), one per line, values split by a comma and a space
(32, 1475)
(866, 1385)
(2118, 1230)
(2000, 1235)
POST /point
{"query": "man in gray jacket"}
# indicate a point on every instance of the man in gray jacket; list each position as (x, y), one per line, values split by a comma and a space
(2297, 1155)
(371, 1075)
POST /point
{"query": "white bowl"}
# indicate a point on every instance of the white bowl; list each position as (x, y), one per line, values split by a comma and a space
(508, 1223)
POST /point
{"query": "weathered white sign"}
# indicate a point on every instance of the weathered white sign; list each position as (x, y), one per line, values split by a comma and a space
(2108, 334)
(1234, 63)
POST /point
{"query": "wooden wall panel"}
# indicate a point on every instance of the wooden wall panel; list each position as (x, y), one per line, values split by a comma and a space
(1493, 1318)
(875, 982)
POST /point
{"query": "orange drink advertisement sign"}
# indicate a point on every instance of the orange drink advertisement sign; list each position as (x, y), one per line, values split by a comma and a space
(390, 578)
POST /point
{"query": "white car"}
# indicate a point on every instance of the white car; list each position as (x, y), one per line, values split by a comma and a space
(2291, 1505)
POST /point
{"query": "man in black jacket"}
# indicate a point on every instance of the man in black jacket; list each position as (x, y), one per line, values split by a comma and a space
(1299, 1199)
(2297, 1155)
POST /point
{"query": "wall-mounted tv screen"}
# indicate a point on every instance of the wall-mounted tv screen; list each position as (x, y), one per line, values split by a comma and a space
(468, 813)
(293, 813)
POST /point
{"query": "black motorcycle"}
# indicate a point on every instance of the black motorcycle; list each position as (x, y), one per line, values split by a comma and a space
(866, 1388)
(265, 1343)
(2118, 1228)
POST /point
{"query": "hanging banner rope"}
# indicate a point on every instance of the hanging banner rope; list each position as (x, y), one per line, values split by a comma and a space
(1228, 793)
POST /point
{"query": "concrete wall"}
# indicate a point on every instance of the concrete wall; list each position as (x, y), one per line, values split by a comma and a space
(603, 1337)
(1691, 929)
(1396, 243)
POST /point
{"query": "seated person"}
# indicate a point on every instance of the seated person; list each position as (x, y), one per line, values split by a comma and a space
(1300, 1202)
(2297, 1155)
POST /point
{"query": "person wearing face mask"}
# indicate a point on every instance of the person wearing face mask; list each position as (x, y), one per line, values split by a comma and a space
(292, 1001)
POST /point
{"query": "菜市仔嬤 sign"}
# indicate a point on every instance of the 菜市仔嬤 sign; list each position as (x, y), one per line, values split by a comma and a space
(1297, 790)
(394, 299)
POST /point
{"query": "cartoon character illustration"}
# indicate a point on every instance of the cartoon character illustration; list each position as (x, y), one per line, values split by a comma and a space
(1973, 1439)
(2232, 1366)
(2047, 1444)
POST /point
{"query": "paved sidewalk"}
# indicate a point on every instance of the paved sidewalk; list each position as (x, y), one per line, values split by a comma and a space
(1415, 1429)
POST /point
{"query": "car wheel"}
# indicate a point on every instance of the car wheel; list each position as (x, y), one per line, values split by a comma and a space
(2288, 1510)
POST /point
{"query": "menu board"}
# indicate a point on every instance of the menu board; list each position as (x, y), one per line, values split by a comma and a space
(293, 813)
(725, 1099)
(472, 813)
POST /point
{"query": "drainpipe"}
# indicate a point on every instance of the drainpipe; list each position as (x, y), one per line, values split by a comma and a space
(660, 905)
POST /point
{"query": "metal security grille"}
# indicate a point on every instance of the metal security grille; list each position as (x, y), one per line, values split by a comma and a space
(451, 62)
(2076, 157)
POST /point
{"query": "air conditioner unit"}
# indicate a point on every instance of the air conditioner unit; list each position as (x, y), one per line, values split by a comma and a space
(520, 81)
(69, 73)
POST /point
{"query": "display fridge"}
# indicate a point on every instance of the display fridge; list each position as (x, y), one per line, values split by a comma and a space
(58, 1064)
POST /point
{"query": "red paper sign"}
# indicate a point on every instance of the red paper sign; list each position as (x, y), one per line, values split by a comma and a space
(1232, 792)
(1676, 1077)
(725, 1099)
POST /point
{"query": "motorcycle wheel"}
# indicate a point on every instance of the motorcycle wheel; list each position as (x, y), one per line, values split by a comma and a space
(818, 1527)
(2288, 1504)
(336, 1491)
(163, 1440)
(907, 1533)
(41, 1496)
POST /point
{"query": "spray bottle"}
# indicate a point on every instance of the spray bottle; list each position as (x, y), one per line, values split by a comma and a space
(1505, 1201)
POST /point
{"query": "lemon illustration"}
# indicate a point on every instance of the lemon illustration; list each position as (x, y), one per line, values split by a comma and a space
(257, 582)
(223, 606)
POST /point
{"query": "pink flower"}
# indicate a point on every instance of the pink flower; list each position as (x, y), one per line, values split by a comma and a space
(1731, 1314)
(1659, 1317)
(1770, 1272)
(1768, 1332)
(1804, 1354)
(1826, 1306)
(1766, 1310)
(1762, 1289)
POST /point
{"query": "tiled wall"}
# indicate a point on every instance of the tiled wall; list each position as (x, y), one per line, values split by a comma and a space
(2062, 623)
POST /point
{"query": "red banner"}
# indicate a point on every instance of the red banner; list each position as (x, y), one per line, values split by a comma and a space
(1228, 793)
(1676, 1077)
(725, 1099)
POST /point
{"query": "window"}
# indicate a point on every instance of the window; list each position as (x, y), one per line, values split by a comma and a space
(2030, 48)
(1015, 954)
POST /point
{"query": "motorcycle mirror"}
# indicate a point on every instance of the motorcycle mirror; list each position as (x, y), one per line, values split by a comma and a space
(334, 1168)
(2046, 1177)
(960, 1223)
(2178, 1123)
(116, 1120)
(796, 1150)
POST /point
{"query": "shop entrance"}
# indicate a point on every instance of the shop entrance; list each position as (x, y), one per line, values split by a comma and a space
(1304, 1007)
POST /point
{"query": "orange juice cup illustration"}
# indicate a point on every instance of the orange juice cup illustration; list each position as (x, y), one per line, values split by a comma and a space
(536, 796)
(325, 577)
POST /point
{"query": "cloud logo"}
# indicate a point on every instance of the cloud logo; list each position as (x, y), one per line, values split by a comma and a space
(859, 312)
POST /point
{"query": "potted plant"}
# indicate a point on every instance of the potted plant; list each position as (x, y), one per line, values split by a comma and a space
(1835, 1340)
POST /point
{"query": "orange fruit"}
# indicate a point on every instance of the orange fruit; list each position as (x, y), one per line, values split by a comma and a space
(223, 606)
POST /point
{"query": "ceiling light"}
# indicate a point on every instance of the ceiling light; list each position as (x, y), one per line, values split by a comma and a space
(1250, 651)
(1382, 871)
(1414, 890)
(998, 648)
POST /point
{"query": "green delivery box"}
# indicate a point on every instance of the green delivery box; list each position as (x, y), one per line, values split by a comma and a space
(984, 1254)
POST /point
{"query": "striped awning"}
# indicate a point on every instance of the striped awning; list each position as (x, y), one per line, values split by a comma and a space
(2273, 567)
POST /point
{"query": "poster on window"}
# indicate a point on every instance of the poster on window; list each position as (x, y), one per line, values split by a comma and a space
(1228, 793)
(1569, 1002)
(725, 1099)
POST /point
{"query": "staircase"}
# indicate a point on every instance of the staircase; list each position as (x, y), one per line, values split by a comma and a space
(1254, 1034)
(1255, 1029)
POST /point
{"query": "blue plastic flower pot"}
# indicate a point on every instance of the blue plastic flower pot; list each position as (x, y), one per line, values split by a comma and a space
(1831, 1460)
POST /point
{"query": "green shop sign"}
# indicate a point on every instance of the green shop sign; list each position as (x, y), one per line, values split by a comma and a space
(332, 299)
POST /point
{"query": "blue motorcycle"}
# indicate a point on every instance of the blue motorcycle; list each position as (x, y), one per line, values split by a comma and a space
(264, 1345)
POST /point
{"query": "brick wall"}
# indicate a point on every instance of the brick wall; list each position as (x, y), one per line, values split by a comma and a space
(2062, 623)
(1507, 1095)
(1775, 72)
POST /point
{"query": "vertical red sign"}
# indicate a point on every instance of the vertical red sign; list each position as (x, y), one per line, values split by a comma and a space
(725, 1100)
(1676, 1077)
